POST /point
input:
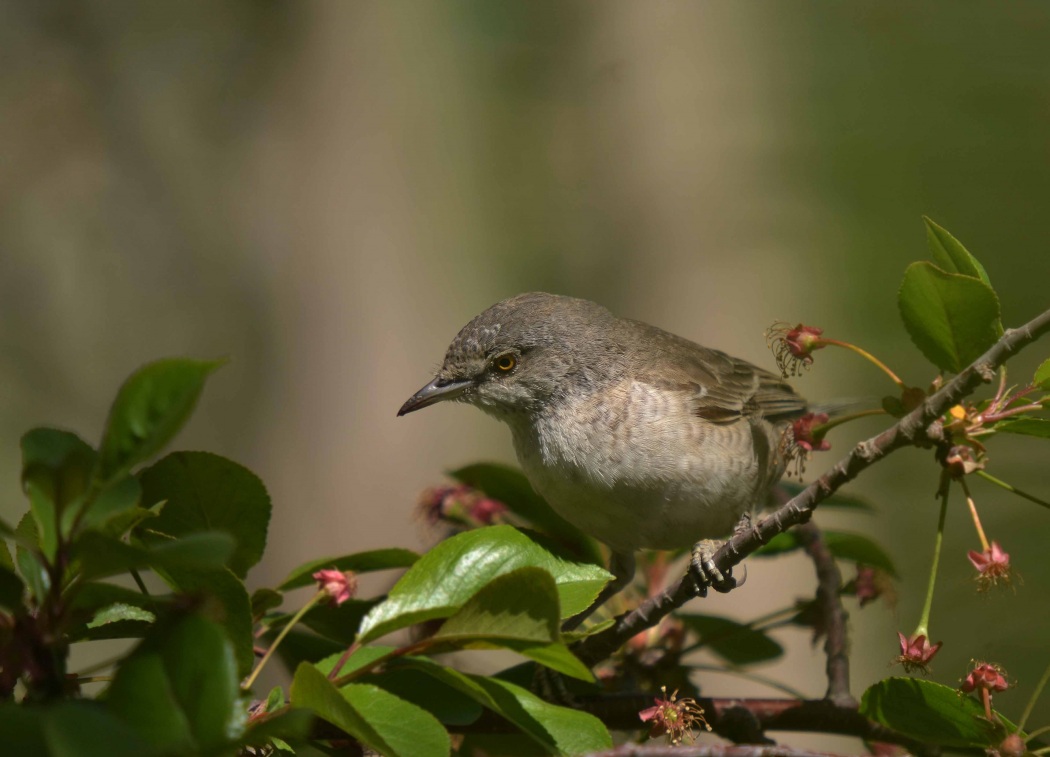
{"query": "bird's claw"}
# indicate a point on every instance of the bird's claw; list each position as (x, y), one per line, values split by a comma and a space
(706, 574)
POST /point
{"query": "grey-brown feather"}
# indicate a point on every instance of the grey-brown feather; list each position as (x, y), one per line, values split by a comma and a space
(639, 437)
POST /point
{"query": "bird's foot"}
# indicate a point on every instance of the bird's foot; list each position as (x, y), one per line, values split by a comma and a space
(705, 573)
(550, 686)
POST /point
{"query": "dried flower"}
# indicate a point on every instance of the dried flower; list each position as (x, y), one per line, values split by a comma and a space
(675, 718)
(461, 506)
(993, 566)
(339, 586)
(793, 347)
(986, 677)
(962, 461)
(807, 432)
(916, 653)
(870, 584)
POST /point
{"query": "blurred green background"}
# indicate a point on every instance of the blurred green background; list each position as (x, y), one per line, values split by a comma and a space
(326, 192)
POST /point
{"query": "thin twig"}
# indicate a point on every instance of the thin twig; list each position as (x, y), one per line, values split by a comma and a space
(913, 429)
(833, 614)
(706, 750)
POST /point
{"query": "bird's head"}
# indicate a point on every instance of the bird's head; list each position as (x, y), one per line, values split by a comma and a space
(518, 356)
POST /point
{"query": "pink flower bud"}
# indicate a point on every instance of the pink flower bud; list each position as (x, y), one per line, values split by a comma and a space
(917, 652)
(339, 586)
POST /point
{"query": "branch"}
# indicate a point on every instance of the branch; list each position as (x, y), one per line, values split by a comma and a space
(833, 614)
(738, 720)
(913, 429)
(706, 750)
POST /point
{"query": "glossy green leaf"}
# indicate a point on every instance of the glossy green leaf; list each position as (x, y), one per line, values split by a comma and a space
(949, 254)
(180, 688)
(206, 492)
(518, 611)
(56, 474)
(376, 718)
(734, 642)
(359, 562)
(1025, 426)
(150, 408)
(409, 729)
(1042, 376)
(452, 572)
(953, 319)
(12, 589)
(930, 712)
(559, 730)
(510, 486)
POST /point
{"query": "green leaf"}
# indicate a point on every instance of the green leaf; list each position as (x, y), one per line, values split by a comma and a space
(338, 623)
(510, 486)
(452, 572)
(519, 611)
(206, 492)
(150, 408)
(1042, 376)
(87, 729)
(838, 499)
(6, 561)
(559, 730)
(930, 712)
(179, 688)
(120, 611)
(226, 603)
(734, 642)
(949, 254)
(264, 600)
(953, 319)
(359, 562)
(442, 701)
(96, 601)
(110, 509)
(860, 549)
(56, 473)
(780, 544)
(11, 589)
(376, 718)
(101, 556)
(1025, 426)
(842, 545)
(30, 566)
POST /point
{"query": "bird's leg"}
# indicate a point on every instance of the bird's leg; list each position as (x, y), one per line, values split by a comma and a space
(702, 567)
(621, 565)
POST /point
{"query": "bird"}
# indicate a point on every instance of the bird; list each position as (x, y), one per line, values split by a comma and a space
(640, 438)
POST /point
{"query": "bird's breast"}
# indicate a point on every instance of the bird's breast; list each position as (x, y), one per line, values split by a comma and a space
(635, 467)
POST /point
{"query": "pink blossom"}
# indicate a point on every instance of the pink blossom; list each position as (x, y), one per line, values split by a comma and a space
(339, 586)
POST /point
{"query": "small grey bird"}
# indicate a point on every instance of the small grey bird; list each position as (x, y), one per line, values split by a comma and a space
(639, 438)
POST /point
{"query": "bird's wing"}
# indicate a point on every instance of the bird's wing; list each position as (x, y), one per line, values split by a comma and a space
(724, 388)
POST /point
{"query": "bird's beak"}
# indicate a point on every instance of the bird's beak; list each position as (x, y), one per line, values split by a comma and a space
(437, 390)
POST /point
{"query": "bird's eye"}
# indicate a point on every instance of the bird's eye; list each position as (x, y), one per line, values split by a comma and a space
(505, 363)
